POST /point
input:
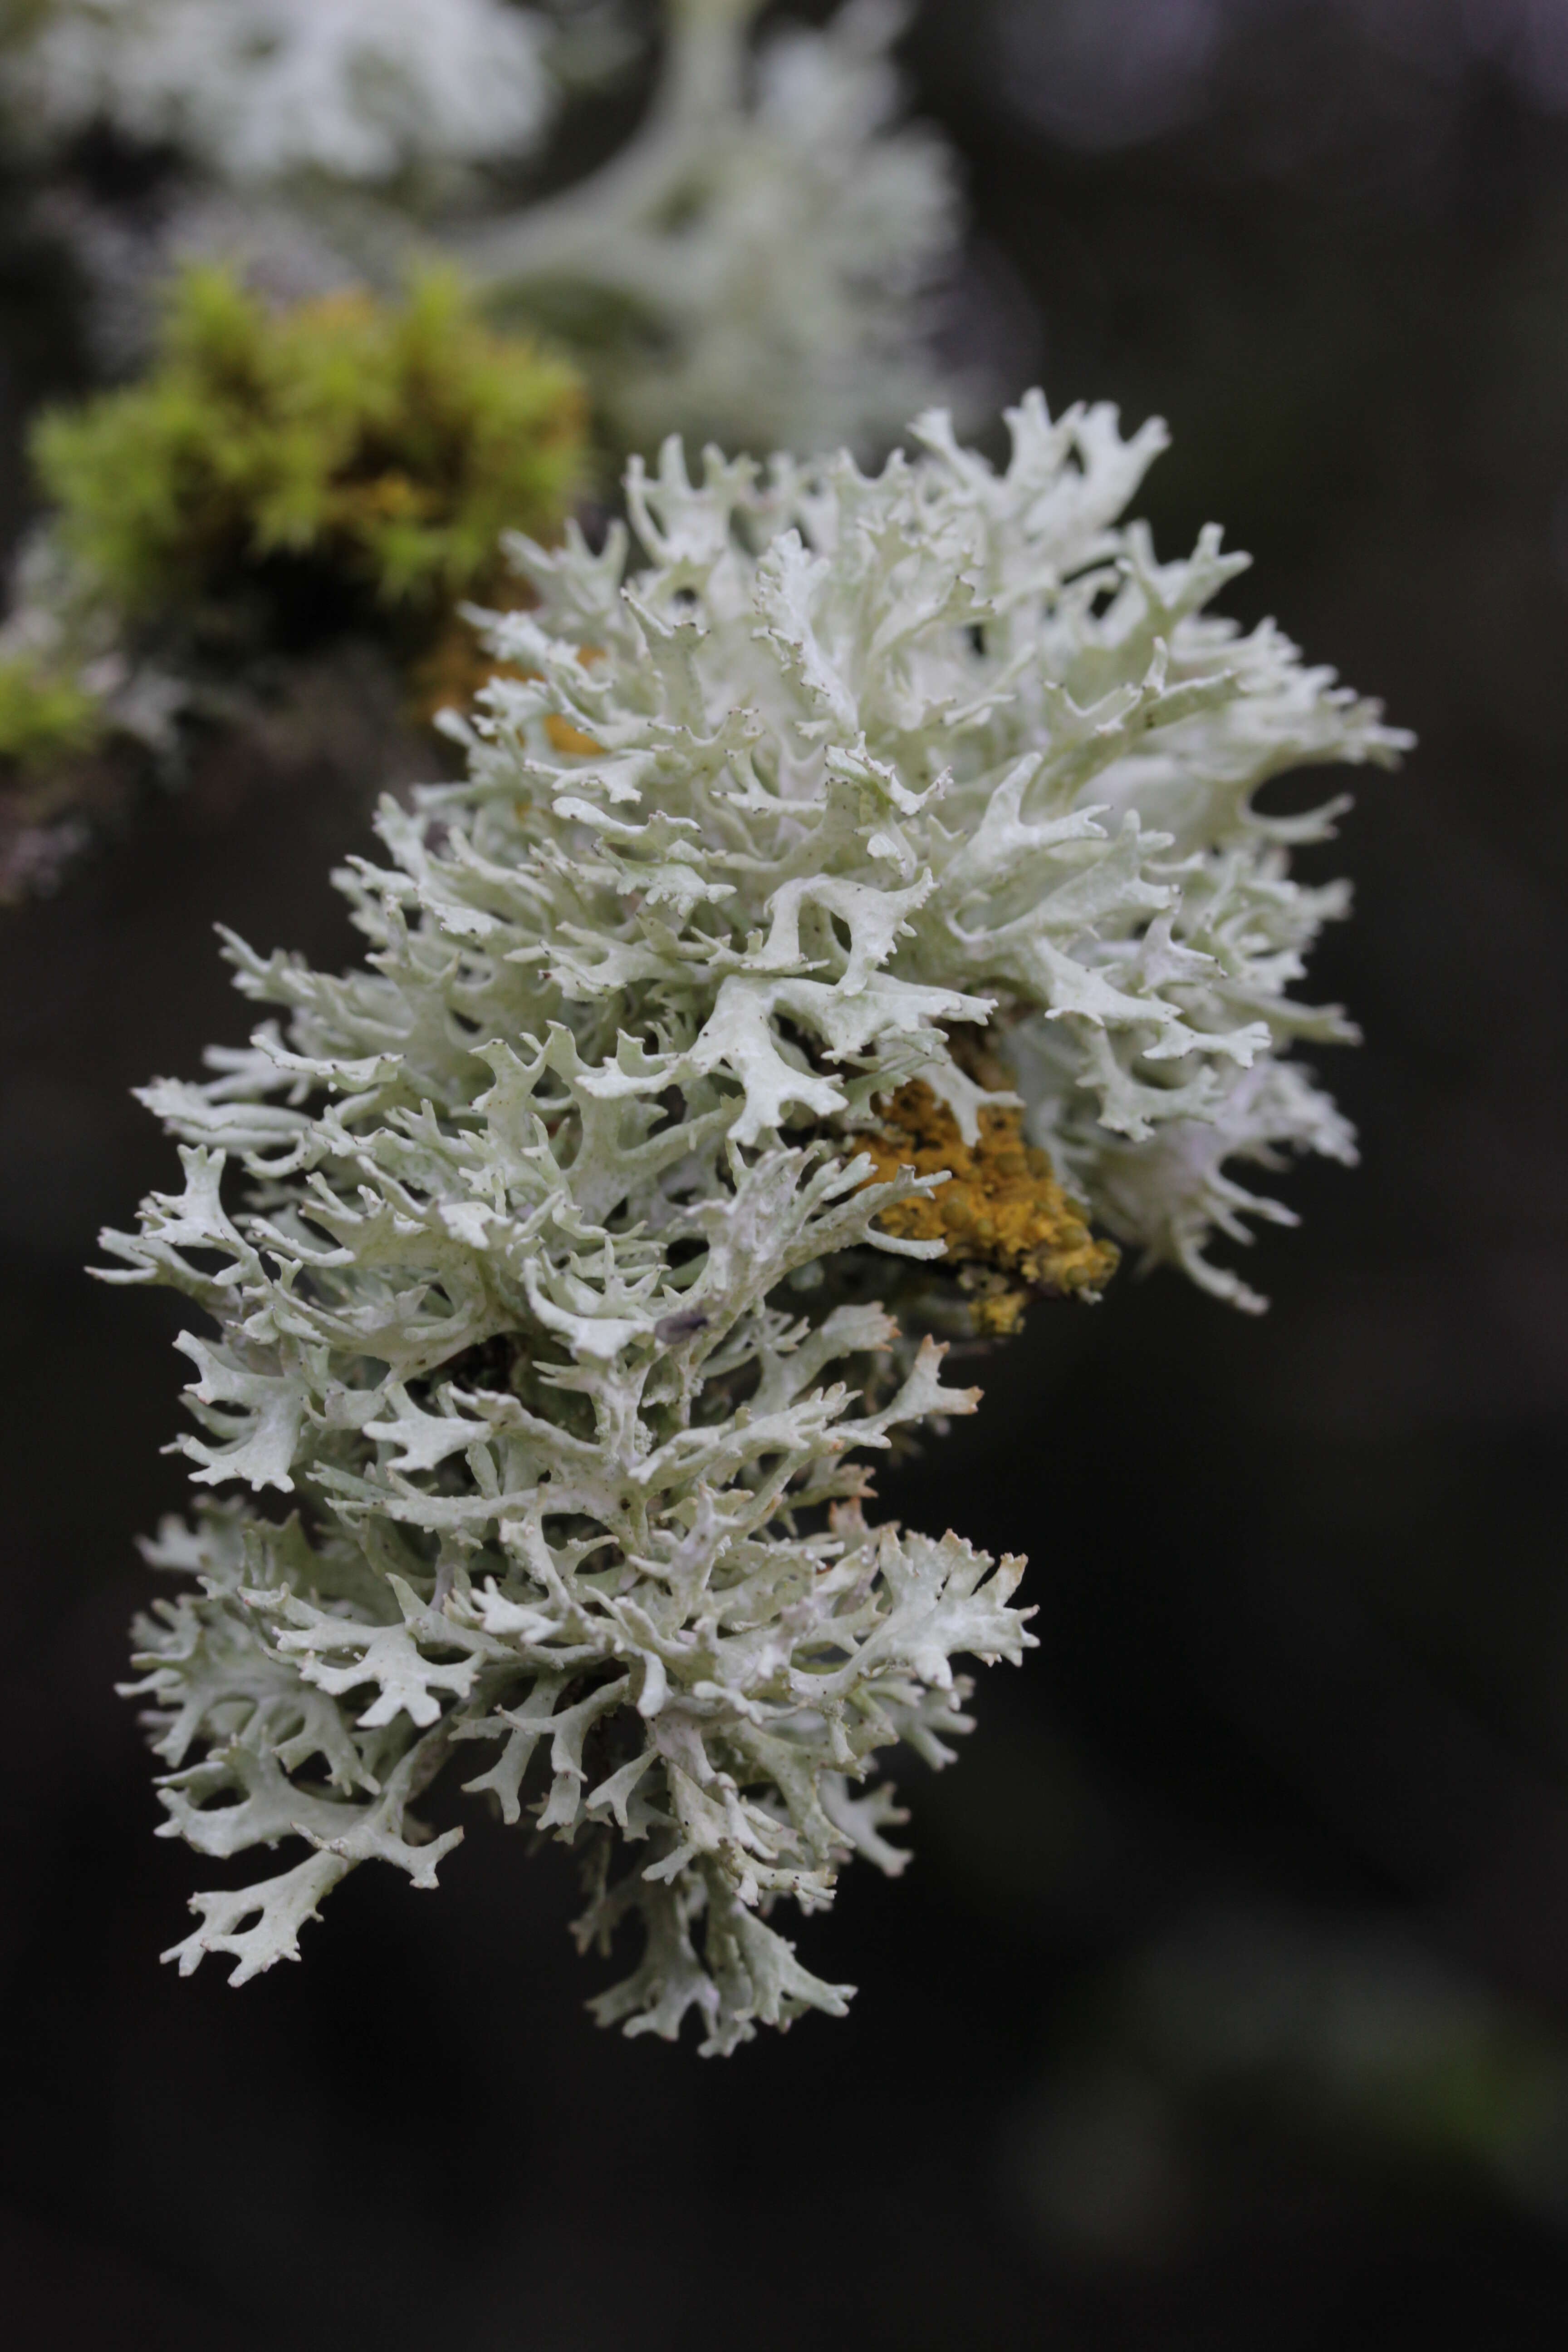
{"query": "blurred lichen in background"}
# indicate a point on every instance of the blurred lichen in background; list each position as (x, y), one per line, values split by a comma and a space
(761, 264)
(253, 90)
(757, 262)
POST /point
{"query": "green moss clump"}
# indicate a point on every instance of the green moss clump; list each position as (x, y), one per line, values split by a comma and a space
(42, 717)
(377, 449)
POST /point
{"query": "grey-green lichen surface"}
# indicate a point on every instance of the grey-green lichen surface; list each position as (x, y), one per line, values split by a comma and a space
(524, 1241)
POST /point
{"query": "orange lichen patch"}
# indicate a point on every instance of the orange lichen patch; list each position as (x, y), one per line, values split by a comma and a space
(1002, 1213)
(452, 673)
(567, 738)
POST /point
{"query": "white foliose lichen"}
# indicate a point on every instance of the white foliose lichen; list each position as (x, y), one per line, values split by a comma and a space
(256, 89)
(533, 1298)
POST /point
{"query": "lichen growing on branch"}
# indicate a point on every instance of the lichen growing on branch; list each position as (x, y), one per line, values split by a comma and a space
(542, 1249)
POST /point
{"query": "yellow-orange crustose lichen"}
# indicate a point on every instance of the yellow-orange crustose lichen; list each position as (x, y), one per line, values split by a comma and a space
(1002, 1213)
(452, 674)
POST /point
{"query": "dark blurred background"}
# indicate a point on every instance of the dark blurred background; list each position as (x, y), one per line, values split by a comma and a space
(1226, 2004)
